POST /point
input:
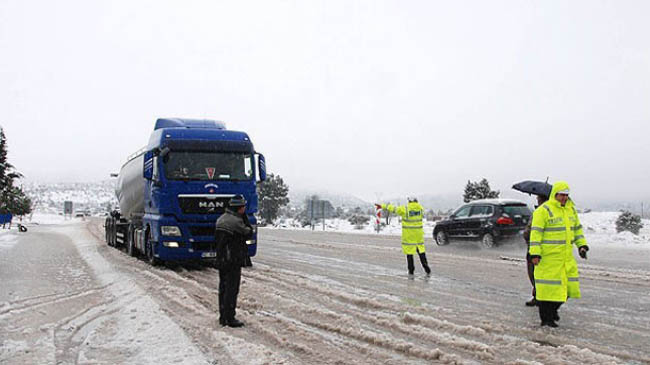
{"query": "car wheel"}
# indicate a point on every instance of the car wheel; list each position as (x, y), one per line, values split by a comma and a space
(488, 240)
(442, 238)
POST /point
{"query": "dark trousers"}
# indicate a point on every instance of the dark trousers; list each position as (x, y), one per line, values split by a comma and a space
(423, 261)
(548, 310)
(228, 290)
(531, 272)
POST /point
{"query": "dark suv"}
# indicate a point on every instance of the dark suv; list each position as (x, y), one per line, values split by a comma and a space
(488, 220)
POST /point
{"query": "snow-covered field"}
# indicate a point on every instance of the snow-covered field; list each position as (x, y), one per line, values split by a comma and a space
(599, 228)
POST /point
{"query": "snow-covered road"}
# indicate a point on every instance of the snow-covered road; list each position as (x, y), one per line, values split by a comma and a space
(311, 297)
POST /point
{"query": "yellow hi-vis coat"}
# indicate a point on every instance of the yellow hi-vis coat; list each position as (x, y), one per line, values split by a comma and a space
(412, 232)
(553, 232)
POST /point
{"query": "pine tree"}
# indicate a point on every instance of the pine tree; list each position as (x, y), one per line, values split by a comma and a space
(272, 196)
(628, 222)
(479, 190)
(12, 199)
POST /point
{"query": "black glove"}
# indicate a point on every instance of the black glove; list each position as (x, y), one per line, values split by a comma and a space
(247, 222)
(582, 251)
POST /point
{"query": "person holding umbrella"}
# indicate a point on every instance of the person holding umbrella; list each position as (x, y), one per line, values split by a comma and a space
(541, 190)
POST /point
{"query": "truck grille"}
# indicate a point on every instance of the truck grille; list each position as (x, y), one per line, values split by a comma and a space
(204, 246)
(202, 230)
(203, 204)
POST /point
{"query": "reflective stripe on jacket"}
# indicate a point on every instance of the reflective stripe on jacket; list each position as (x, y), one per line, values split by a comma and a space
(554, 231)
(412, 215)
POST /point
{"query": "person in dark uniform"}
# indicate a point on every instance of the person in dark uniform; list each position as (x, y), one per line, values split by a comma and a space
(541, 199)
(232, 231)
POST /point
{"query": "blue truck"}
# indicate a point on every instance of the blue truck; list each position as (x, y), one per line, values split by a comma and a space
(172, 191)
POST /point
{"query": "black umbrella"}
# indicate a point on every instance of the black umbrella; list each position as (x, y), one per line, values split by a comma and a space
(534, 187)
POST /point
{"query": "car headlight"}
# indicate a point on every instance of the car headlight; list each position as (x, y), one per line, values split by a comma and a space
(250, 242)
(170, 244)
(170, 231)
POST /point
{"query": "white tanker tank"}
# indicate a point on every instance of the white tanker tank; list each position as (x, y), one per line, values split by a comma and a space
(129, 188)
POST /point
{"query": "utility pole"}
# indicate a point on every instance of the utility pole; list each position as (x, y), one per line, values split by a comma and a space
(322, 202)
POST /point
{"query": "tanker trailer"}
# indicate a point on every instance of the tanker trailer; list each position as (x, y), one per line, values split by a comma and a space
(172, 191)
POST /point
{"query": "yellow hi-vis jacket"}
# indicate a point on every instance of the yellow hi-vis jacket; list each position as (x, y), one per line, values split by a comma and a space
(554, 231)
(412, 232)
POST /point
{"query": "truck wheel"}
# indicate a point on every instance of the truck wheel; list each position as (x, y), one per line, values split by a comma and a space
(153, 260)
(488, 240)
(442, 238)
(109, 232)
(130, 246)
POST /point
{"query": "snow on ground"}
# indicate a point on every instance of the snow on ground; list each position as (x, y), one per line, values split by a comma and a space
(310, 297)
(40, 217)
(62, 302)
(599, 229)
(138, 319)
(343, 226)
(8, 238)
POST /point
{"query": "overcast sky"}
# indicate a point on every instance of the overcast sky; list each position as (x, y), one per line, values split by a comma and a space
(363, 97)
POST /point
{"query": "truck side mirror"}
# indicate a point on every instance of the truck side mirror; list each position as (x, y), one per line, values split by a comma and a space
(261, 166)
(163, 152)
(147, 168)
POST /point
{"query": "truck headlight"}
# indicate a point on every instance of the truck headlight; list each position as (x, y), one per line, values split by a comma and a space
(170, 230)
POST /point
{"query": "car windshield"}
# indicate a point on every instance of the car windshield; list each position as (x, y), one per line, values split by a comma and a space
(513, 210)
(234, 166)
(463, 211)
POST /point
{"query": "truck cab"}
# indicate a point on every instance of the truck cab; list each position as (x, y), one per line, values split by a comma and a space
(188, 172)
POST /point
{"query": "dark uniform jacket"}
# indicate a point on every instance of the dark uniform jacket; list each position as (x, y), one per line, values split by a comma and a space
(232, 231)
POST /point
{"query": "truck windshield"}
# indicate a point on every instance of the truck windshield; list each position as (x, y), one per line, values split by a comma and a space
(234, 166)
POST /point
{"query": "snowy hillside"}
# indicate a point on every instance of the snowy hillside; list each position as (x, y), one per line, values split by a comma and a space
(297, 198)
(94, 198)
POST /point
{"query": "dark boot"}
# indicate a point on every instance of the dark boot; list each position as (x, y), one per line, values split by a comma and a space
(423, 261)
(410, 264)
(222, 321)
(546, 310)
(550, 324)
(531, 303)
(555, 316)
(234, 323)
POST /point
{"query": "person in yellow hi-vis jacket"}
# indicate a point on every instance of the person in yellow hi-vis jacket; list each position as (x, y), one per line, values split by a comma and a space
(412, 233)
(553, 232)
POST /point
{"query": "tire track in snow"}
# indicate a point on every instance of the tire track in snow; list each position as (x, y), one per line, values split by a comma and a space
(392, 322)
(595, 356)
(49, 299)
(192, 318)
